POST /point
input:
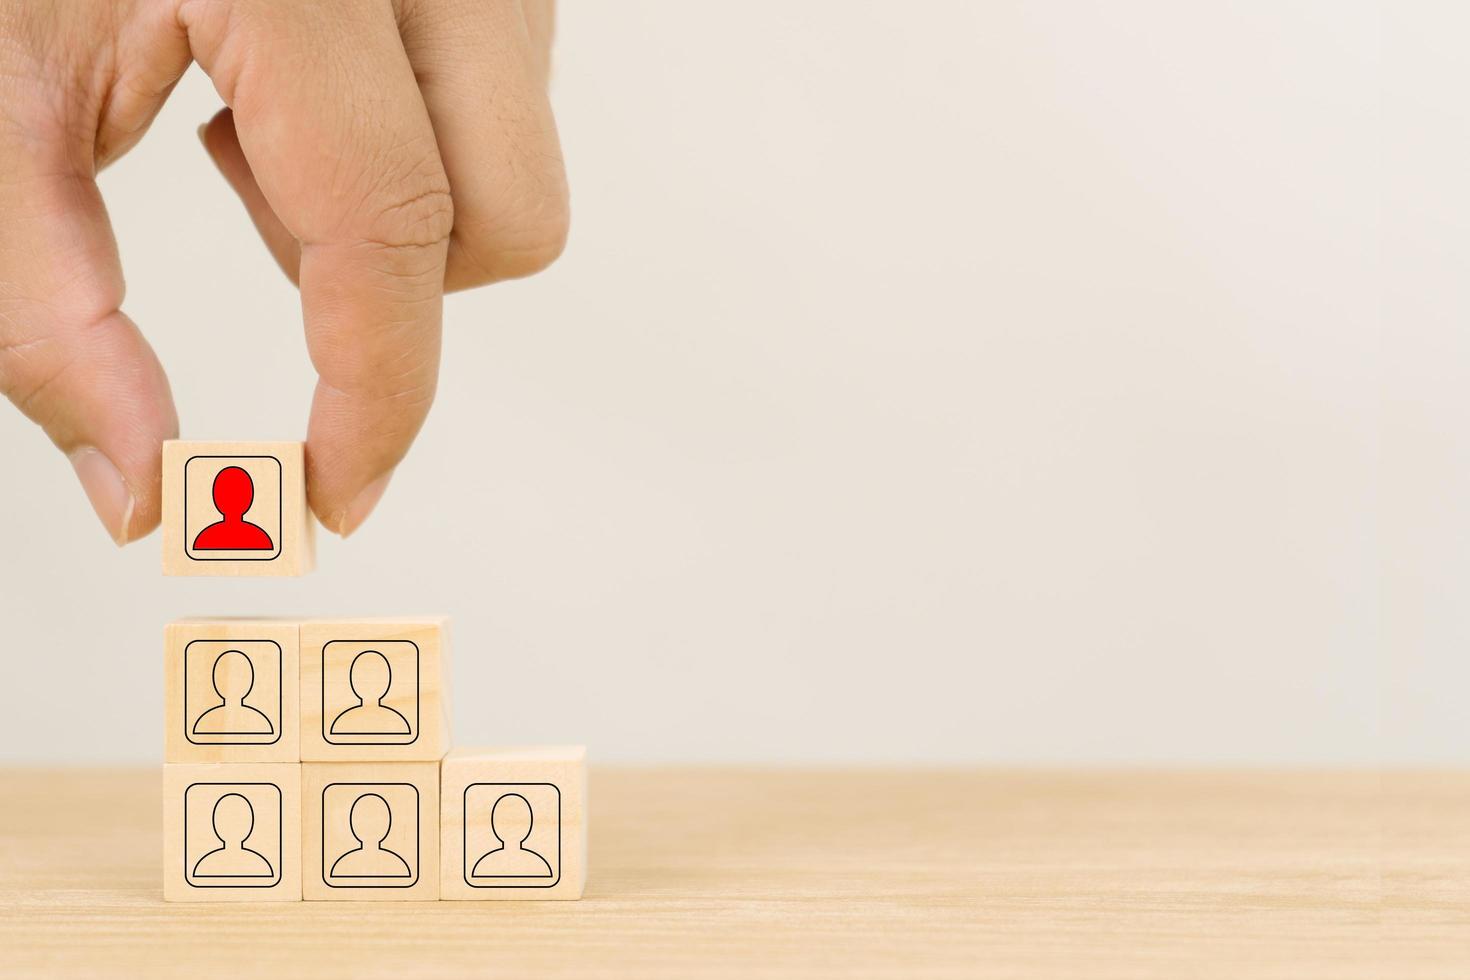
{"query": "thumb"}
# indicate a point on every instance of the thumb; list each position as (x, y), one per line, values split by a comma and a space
(70, 360)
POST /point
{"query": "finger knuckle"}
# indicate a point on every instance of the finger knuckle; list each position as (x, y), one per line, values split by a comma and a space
(397, 397)
(417, 214)
(28, 371)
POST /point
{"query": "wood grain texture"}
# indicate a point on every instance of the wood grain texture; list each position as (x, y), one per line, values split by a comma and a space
(730, 873)
(1426, 860)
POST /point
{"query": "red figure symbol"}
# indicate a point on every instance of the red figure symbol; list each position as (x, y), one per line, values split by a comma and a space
(233, 494)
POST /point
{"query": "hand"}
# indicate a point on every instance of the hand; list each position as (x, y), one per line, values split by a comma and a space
(386, 150)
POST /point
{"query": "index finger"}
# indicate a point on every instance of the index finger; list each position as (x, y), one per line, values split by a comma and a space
(331, 122)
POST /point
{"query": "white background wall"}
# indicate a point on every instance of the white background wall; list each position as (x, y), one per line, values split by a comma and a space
(950, 382)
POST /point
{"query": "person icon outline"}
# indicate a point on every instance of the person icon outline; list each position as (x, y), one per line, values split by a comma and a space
(370, 820)
(512, 818)
(370, 676)
(233, 678)
(232, 821)
(233, 494)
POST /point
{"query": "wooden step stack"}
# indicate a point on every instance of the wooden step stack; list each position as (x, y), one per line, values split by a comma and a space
(310, 758)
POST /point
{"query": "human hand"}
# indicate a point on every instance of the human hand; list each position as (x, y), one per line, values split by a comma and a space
(386, 150)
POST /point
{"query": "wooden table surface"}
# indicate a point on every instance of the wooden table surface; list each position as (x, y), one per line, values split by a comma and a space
(758, 873)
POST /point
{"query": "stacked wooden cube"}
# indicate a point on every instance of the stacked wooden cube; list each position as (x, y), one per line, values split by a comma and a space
(310, 759)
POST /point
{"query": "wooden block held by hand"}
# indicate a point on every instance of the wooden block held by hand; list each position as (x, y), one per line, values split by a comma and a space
(370, 831)
(373, 690)
(232, 832)
(231, 691)
(513, 824)
(236, 508)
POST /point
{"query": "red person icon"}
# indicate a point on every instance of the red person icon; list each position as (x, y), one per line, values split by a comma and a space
(233, 493)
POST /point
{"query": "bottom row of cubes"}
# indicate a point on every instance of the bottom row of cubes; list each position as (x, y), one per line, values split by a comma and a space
(482, 824)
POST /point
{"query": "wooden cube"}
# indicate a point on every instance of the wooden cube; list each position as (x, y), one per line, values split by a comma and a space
(232, 691)
(370, 831)
(373, 690)
(232, 832)
(513, 824)
(236, 508)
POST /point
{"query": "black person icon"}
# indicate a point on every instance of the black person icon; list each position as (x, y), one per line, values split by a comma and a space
(370, 676)
(370, 820)
(233, 493)
(511, 821)
(233, 820)
(233, 679)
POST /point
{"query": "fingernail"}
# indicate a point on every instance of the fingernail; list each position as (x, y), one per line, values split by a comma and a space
(362, 505)
(200, 132)
(109, 494)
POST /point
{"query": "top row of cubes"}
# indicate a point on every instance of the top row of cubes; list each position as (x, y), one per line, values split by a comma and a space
(236, 508)
(316, 690)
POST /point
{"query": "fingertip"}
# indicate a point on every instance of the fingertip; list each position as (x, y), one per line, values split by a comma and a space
(362, 505)
(127, 507)
(146, 482)
(109, 413)
(112, 500)
(341, 502)
(352, 453)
